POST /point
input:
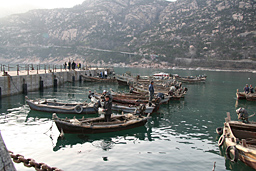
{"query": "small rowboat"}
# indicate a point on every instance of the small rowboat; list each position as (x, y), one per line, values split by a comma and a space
(191, 79)
(98, 125)
(239, 139)
(65, 108)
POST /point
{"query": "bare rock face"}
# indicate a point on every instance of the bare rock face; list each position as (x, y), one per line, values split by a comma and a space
(203, 29)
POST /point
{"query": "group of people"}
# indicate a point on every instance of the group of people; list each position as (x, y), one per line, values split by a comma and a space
(104, 74)
(72, 65)
(248, 89)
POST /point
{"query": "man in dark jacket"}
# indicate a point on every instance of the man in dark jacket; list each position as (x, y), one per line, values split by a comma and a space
(107, 109)
(151, 92)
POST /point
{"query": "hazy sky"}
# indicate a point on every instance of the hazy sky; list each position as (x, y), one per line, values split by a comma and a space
(43, 3)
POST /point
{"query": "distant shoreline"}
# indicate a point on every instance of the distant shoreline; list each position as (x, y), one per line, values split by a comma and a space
(193, 69)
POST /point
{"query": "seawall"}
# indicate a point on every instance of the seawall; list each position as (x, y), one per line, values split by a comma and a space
(15, 83)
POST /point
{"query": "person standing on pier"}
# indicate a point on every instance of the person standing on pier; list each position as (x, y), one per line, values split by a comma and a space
(69, 65)
(65, 65)
(151, 92)
(73, 65)
(106, 74)
(107, 109)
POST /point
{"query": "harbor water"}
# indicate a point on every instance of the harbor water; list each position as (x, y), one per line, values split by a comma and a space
(180, 136)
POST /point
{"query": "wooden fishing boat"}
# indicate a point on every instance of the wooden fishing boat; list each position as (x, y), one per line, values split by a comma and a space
(251, 97)
(97, 79)
(136, 99)
(124, 79)
(65, 108)
(239, 139)
(98, 125)
(180, 93)
(161, 75)
(191, 79)
(127, 108)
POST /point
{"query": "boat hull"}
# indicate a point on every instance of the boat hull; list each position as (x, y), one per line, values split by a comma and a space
(96, 129)
(240, 95)
(131, 109)
(60, 109)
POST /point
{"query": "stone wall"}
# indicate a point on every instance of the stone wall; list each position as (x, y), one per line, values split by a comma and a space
(11, 85)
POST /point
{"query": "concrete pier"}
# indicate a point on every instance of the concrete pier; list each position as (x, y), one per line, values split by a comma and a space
(5, 161)
(12, 82)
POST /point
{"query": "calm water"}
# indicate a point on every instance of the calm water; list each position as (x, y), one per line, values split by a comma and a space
(180, 136)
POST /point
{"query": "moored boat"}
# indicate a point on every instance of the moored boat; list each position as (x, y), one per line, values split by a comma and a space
(58, 107)
(128, 108)
(161, 75)
(98, 125)
(239, 139)
(191, 79)
(97, 79)
(251, 97)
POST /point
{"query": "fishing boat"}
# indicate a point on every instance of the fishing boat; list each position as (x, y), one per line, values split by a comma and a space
(251, 97)
(131, 98)
(124, 79)
(58, 107)
(161, 75)
(190, 79)
(176, 95)
(247, 96)
(127, 108)
(239, 139)
(97, 79)
(98, 125)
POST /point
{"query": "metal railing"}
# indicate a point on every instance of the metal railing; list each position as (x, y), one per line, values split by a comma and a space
(30, 68)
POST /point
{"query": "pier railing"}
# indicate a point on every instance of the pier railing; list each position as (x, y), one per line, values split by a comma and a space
(28, 68)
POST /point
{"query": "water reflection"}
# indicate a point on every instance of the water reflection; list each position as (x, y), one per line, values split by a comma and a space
(106, 141)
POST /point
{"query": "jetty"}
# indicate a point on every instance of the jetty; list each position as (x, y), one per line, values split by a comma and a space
(23, 81)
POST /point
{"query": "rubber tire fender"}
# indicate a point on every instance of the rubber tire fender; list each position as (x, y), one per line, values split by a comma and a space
(236, 154)
(221, 140)
(78, 108)
(219, 130)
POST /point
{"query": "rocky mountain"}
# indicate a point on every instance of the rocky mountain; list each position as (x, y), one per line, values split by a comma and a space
(133, 30)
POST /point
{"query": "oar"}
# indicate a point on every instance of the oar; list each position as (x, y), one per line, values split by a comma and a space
(251, 115)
